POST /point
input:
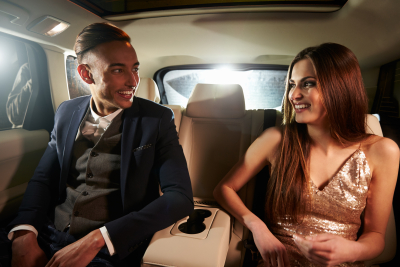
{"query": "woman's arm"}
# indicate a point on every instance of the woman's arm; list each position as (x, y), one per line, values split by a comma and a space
(383, 158)
(259, 154)
(384, 161)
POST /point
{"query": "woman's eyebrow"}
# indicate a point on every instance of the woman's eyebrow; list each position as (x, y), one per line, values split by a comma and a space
(305, 78)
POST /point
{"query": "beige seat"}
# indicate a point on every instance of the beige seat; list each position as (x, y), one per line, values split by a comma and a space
(148, 89)
(215, 131)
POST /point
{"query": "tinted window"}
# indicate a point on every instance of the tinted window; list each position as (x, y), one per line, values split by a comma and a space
(16, 83)
(262, 88)
(76, 86)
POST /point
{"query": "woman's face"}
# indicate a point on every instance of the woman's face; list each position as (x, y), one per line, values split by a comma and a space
(304, 94)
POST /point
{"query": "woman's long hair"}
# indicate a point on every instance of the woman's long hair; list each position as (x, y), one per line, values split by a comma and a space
(343, 95)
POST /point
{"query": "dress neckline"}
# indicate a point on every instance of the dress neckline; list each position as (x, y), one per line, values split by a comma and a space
(345, 162)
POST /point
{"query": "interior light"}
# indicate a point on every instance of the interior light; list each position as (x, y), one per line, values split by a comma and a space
(48, 26)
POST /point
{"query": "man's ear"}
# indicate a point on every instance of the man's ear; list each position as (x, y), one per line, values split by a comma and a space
(84, 72)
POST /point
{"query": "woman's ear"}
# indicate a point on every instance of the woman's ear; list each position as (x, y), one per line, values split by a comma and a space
(84, 72)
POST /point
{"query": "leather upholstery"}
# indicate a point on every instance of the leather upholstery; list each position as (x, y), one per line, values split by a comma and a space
(148, 90)
(216, 101)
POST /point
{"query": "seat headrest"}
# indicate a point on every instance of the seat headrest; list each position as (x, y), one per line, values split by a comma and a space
(148, 89)
(216, 101)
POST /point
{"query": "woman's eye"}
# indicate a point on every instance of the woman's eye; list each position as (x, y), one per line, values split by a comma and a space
(292, 85)
(309, 84)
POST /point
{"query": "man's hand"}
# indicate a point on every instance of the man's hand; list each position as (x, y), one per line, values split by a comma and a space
(26, 251)
(327, 249)
(79, 253)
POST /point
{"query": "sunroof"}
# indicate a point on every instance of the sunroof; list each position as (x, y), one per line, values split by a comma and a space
(104, 8)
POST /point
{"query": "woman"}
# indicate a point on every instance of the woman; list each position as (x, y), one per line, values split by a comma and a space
(326, 170)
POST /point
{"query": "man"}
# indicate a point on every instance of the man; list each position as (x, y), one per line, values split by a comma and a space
(107, 156)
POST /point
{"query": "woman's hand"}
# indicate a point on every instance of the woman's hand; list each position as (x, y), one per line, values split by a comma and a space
(271, 249)
(327, 249)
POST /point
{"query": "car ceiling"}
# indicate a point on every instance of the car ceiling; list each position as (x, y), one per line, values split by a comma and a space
(370, 28)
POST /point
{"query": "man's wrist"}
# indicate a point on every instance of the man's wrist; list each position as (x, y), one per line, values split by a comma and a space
(20, 233)
(98, 240)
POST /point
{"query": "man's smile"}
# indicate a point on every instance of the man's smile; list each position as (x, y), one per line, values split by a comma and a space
(126, 94)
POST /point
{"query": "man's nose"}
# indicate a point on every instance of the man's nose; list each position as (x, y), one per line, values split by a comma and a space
(133, 79)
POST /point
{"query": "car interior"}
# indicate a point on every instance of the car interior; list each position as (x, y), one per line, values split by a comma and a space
(220, 66)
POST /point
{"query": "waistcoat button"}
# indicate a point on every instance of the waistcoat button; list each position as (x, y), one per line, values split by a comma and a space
(89, 175)
(93, 154)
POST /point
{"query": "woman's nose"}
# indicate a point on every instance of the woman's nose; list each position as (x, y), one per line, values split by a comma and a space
(295, 93)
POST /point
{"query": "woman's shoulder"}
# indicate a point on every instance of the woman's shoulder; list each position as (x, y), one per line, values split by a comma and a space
(272, 135)
(380, 145)
(380, 150)
(266, 145)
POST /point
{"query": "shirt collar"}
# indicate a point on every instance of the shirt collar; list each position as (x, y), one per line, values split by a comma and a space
(109, 117)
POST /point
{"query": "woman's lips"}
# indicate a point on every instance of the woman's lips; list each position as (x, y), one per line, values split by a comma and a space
(301, 107)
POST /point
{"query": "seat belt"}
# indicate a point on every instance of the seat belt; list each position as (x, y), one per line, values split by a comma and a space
(252, 255)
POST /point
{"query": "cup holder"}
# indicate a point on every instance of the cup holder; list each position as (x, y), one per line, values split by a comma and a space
(194, 224)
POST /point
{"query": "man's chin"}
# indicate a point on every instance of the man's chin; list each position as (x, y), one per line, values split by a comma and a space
(125, 104)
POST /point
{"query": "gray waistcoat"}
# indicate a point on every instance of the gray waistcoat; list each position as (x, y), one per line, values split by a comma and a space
(93, 194)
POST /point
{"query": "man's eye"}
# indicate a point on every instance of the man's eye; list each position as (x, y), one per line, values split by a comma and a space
(136, 69)
(117, 70)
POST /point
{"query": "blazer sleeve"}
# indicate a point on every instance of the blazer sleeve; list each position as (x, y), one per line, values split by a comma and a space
(175, 203)
(42, 188)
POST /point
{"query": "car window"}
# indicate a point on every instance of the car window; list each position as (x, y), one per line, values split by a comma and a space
(25, 99)
(16, 83)
(76, 86)
(263, 89)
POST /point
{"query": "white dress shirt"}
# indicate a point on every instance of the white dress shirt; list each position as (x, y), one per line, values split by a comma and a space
(93, 128)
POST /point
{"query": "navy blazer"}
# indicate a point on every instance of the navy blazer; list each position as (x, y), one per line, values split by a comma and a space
(150, 156)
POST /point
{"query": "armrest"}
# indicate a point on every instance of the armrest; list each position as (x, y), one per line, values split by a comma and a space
(207, 249)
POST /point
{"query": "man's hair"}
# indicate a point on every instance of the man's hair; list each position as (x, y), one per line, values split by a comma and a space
(95, 34)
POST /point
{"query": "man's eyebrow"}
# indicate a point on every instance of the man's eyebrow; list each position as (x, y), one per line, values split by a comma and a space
(305, 78)
(122, 64)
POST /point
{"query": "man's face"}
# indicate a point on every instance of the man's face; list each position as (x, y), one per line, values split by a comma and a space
(114, 70)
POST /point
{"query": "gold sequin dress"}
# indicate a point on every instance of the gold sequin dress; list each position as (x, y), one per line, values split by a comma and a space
(335, 209)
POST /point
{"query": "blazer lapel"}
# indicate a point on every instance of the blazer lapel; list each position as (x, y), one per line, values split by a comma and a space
(74, 123)
(130, 121)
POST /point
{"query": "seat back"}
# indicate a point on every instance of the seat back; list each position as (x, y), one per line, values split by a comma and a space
(148, 89)
(215, 132)
(373, 126)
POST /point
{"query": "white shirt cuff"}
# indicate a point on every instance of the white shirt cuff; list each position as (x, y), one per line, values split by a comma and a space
(107, 239)
(22, 227)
